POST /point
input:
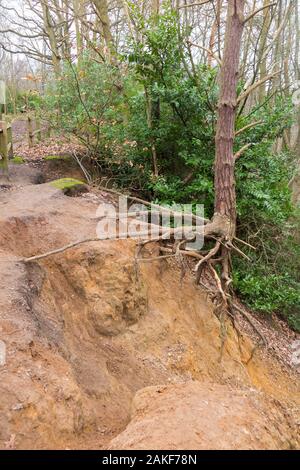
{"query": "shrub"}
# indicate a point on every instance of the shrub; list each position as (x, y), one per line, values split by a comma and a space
(108, 109)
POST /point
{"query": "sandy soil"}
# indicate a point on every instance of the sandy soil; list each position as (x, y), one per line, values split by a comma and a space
(86, 330)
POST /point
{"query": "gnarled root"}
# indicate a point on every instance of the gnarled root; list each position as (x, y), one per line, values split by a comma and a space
(212, 262)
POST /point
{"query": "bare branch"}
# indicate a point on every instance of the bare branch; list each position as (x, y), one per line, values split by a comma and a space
(210, 52)
(60, 250)
(257, 84)
(249, 126)
(238, 154)
(258, 10)
(27, 36)
(194, 4)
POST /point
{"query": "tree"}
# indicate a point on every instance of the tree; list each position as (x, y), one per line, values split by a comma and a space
(101, 8)
(223, 224)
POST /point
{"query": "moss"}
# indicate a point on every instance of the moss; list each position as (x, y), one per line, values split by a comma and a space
(67, 184)
(3, 165)
(17, 160)
(56, 157)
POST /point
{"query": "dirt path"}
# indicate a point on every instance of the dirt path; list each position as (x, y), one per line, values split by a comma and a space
(84, 331)
(19, 130)
(57, 144)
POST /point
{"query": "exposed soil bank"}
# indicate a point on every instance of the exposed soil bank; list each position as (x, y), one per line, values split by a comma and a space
(86, 330)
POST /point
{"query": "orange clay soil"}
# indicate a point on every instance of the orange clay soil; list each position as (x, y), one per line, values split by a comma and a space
(101, 353)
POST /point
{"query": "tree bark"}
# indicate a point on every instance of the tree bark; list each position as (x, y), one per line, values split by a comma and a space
(262, 45)
(50, 31)
(215, 32)
(225, 196)
(77, 21)
(101, 7)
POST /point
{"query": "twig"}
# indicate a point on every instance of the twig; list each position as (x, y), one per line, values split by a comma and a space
(239, 251)
(244, 243)
(198, 4)
(249, 126)
(83, 169)
(195, 218)
(250, 321)
(209, 51)
(251, 88)
(248, 18)
(59, 250)
(238, 154)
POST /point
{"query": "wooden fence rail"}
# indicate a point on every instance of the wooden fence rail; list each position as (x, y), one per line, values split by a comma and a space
(34, 130)
(6, 144)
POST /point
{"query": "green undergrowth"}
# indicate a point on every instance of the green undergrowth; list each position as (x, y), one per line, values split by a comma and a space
(17, 160)
(164, 82)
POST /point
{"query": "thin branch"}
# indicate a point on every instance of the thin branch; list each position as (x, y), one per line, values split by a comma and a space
(280, 28)
(240, 252)
(209, 51)
(249, 126)
(153, 206)
(238, 154)
(22, 35)
(244, 243)
(249, 319)
(59, 250)
(255, 85)
(258, 10)
(194, 4)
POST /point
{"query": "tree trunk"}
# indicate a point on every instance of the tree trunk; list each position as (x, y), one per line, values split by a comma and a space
(77, 21)
(225, 197)
(215, 33)
(102, 11)
(155, 7)
(48, 25)
(262, 44)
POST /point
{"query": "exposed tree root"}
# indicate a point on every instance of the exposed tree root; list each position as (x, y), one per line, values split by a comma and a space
(218, 230)
(205, 259)
(219, 254)
(59, 250)
(250, 321)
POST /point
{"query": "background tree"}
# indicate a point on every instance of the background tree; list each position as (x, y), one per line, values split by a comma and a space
(167, 110)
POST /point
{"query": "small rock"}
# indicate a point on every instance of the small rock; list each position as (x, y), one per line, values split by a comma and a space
(18, 407)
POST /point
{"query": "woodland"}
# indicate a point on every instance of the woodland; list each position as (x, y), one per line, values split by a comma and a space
(179, 102)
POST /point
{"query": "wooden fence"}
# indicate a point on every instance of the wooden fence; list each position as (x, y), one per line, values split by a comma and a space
(6, 143)
(34, 134)
(35, 129)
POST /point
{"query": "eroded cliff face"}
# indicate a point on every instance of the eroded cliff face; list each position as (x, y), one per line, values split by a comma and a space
(205, 416)
(87, 329)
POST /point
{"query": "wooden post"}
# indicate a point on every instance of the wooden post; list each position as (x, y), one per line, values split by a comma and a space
(10, 142)
(3, 150)
(30, 132)
(2, 98)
